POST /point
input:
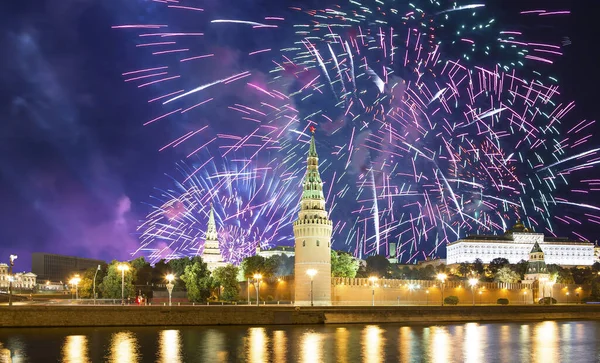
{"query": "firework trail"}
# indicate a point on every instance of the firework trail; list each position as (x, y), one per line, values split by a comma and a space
(254, 207)
(435, 120)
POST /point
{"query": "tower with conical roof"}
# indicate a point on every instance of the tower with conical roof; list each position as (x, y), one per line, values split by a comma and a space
(312, 234)
(537, 274)
(212, 253)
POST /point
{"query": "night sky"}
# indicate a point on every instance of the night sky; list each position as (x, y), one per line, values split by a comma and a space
(76, 164)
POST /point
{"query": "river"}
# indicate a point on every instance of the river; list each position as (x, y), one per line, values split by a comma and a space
(547, 342)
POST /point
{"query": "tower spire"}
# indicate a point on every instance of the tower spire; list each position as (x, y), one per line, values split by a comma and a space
(312, 235)
(212, 253)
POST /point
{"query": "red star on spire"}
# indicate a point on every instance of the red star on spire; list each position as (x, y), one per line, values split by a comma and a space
(312, 129)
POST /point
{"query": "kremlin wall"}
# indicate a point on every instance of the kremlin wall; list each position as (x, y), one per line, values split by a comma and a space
(358, 291)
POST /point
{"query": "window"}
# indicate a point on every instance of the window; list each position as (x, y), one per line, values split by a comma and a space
(317, 243)
(303, 243)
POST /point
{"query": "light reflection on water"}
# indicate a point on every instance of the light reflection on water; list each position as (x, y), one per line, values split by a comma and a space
(544, 342)
(75, 349)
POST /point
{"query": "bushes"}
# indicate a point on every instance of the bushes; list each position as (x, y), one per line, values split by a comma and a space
(547, 301)
(451, 300)
(502, 301)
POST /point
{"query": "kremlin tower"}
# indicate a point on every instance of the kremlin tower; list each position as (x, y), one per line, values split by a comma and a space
(212, 254)
(312, 234)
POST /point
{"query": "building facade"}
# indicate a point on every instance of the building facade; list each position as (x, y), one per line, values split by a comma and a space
(312, 235)
(55, 268)
(212, 252)
(515, 246)
(279, 250)
(21, 280)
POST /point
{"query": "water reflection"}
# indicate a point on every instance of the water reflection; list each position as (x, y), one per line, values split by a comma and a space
(545, 342)
(213, 349)
(258, 345)
(279, 345)
(441, 344)
(472, 343)
(169, 345)
(341, 344)
(372, 344)
(311, 347)
(406, 340)
(75, 349)
(124, 348)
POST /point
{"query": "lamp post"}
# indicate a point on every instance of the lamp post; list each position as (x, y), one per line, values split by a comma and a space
(10, 278)
(524, 297)
(427, 297)
(473, 282)
(123, 267)
(75, 281)
(311, 272)
(567, 298)
(373, 279)
(96, 274)
(248, 288)
(442, 277)
(257, 278)
(170, 278)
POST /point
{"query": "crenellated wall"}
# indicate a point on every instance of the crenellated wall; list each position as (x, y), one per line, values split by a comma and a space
(359, 291)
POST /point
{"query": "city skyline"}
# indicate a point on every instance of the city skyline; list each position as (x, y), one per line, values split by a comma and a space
(82, 168)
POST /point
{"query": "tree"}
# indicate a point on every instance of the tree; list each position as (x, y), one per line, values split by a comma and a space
(253, 265)
(426, 273)
(198, 281)
(226, 277)
(565, 276)
(111, 283)
(343, 264)
(161, 269)
(86, 285)
(378, 265)
(521, 268)
(507, 275)
(465, 269)
(478, 267)
(143, 270)
(177, 267)
(496, 264)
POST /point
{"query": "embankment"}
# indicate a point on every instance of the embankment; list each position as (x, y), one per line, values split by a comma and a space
(85, 316)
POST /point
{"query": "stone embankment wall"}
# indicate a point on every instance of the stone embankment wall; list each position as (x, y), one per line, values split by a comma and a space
(74, 316)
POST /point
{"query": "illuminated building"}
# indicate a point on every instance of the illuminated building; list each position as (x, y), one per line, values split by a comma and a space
(212, 253)
(515, 245)
(312, 235)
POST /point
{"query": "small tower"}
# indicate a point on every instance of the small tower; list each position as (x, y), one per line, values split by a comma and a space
(212, 254)
(312, 235)
(537, 273)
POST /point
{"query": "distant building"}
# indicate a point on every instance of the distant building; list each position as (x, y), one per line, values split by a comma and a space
(51, 267)
(212, 253)
(515, 245)
(431, 262)
(21, 280)
(279, 250)
(393, 256)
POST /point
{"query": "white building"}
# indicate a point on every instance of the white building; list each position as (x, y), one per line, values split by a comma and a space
(21, 280)
(312, 235)
(515, 246)
(212, 253)
(279, 250)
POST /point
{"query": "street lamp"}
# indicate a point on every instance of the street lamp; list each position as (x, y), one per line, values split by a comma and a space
(123, 267)
(567, 298)
(257, 278)
(427, 297)
(75, 281)
(170, 278)
(10, 278)
(96, 274)
(473, 282)
(373, 279)
(442, 277)
(311, 272)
